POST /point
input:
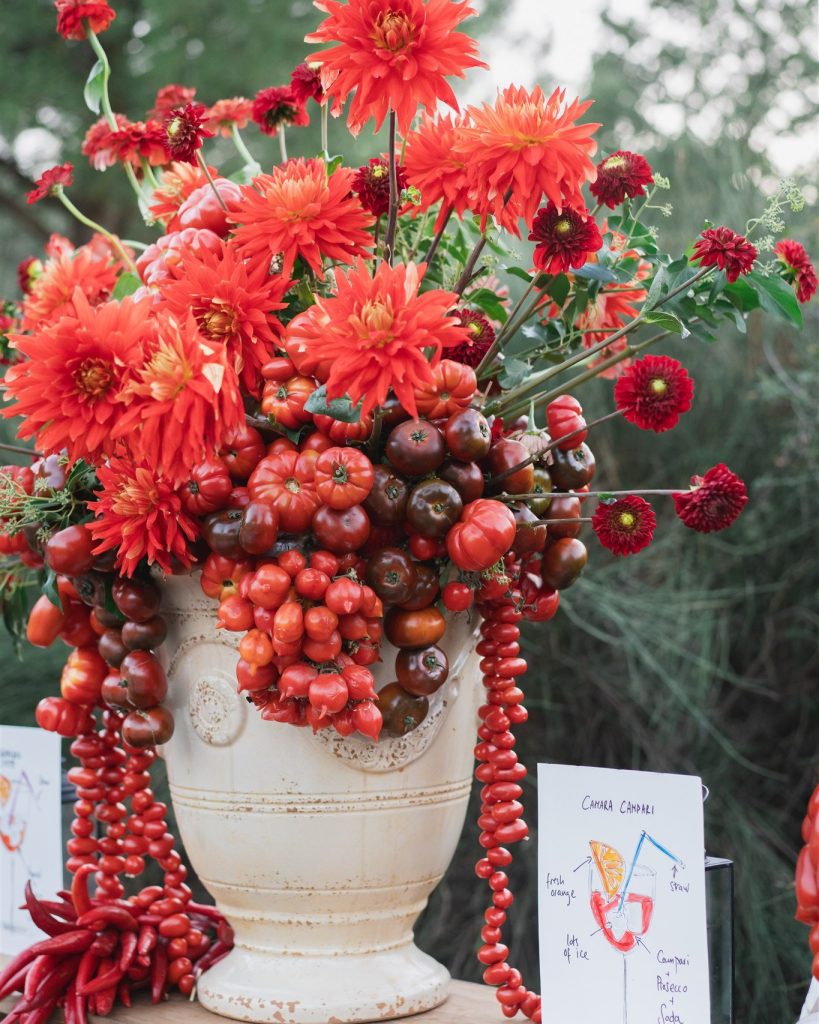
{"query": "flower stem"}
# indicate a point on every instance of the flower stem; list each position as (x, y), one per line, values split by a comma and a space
(148, 174)
(115, 242)
(252, 165)
(436, 241)
(325, 133)
(657, 492)
(510, 327)
(474, 256)
(18, 450)
(282, 144)
(203, 164)
(392, 222)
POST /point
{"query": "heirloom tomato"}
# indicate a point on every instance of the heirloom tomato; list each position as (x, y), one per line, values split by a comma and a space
(339, 432)
(452, 389)
(341, 530)
(564, 417)
(344, 477)
(468, 435)
(414, 628)
(415, 447)
(387, 501)
(484, 533)
(283, 401)
(208, 488)
(82, 676)
(287, 481)
(504, 456)
(242, 451)
(147, 728)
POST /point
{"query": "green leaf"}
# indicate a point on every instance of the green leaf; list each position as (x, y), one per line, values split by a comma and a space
(127, 284)
(777, 297)
(655, 291)
(668, 321)
(341, 409)
(490, 303)
(515, 372)
(559, 289)
(50, 589)
(519, 272)
(333, 163)
(743, 295)
(94, 87)
(594, 272)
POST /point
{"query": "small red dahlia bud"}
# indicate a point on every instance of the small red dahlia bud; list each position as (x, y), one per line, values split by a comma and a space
(654, 392)
(565, 239)
(725, 249)
(185, 132)
(622, 175)
(372, 185)
(797, 268)
(306, 82)
(278, 106)
(624, 526)
(713, 502)
(73, 15)
(54, 180)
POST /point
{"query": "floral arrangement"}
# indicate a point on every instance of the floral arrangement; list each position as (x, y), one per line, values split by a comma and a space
(315, 388)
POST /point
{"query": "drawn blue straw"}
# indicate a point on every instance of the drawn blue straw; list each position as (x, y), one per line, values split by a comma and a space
(643, 836)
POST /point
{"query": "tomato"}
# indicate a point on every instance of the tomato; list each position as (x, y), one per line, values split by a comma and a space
(367, 719)
(392, 575)
(292, 561)
(415, 447)
(208, 488)
(114, 690)
(360, 682)
(111, 647)
(325, 561)
(288, 623)
(434, 506)
(341, 531)
(69, 551)
(572, 468)
(137, 600)
(530, 533)
(344, 596)
(235, 614)
(12, 544)
(563, 562)
(286, 480)
(45, 621)
(425, 590)
(353, 627)
(466, 477)
(414, 628)
(564, 507)
(320, 623)
(564, 419)
(269, 586)
(328, 693)
(259, 527)
(54, 714)
(221, 576)
(452, 389)
(387, 500)
(256, 649)
(323, 650)
(364, 652)
(542, 485)
(503, 456)
(344, 477)
(316, 442)
(424, 548)
(468, 435)
(484, 533)
(149, 728)
(279, 368)
(457, 597)
(283, 401)
(295, 681)
(220, 531)
(147, 683)
(401, 711)
(312, 583)
(422, 672)
(339, 432)
(144, 636)
(82, 676)
(543, 605)
(242, 451)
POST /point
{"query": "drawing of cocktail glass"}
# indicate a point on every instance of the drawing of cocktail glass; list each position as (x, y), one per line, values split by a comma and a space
(622, 907)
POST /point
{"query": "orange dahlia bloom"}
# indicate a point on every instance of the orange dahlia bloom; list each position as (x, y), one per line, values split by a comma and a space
(299, 210)
(375, 331)
(232, 302)
(177, 183)
(182, 401)
(140, 515)
(393, 54)
(68, 388)
(434, 169)
(224, 114)
(522, 148)
(52, 294)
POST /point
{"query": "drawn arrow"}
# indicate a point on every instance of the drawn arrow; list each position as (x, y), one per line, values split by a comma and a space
(579, 866)
(645, 947)
(674, 871)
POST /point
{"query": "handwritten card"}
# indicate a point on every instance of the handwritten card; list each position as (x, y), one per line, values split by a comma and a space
(30, 833)
(621, 879)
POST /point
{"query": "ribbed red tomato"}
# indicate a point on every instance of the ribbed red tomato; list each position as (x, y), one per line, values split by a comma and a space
(286, 480)
(340, 432)
(242, 450)
(344, 477)
(208, 488)
(283, 401)
(452, 389)
(564, 416)
(82, 676)
(484, 533)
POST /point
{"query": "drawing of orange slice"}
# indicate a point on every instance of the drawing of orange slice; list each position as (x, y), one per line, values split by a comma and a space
(611, 866)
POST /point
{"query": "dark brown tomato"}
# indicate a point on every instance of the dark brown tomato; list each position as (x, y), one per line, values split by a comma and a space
(572, 469)
(425, 590)
(564, 507)
(221, 532)
(530, 533)
(259, 527)
(422, 672)
(115, 691)
(466, 477)
(415, 447)
(503, 456)
(400, 710)
(414, 629)
(563, 562)
(392, 412)
(111, 647)
(392, 574)
(543, 485)
(386, 503)
(107, 618)
(137, 600)
(148, 728)
(147, 683)
(145, 636)
(468, 435)
(434, 507)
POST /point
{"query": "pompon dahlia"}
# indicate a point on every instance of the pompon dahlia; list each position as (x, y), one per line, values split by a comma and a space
(377, 331)
(433, 169)
(233, 303)
(725, 249)
(140, 515)
(654, 392)
(524, 147)
(372, 185)
(714, 500)
(54, 180)
(622, 175)
(480, 336)
(185, 131)
(394, 55)
(72, 15)
(132, 142)
(798, 269)
(564, 239)
(276, 107)
(224, 115)
(301, 211)
(178, 182)
(168, 97)
(182, 400)
(52, 294)
(68, 388)
(624, 526)
(305, 81)
(162, 259)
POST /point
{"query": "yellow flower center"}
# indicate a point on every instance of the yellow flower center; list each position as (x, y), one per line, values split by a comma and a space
(376, 321)
(166, 374)
(93, 378)
(393, 31)
(475, 329)
(627, 520)
(657, 386)
(175, 127)
(379, 172)
(219, 322)
(614, 163)
(563, 227)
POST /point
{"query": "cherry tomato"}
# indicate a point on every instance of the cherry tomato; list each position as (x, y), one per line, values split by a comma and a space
(572, 467)
(530, 533)
(542, 485)
(292, 561)
(434, 506)
(283, 401)
(468, 435)
(45, 621)
(415, 447)
(114, 690)
(286, 480)
(256, 649)
(82, 676)
(288, 623)
(320, 623)
(295, 680)
(543, 606)
(457, 597)
(312, 583)
(147, 728)
(269, 586)
(367, 719)
(563, 562)
(344, 596)
(425, 548)
(111, 647)
(452, 389)
(401, 712)
(147, 683)
(69, 551)
(392, 575)
(137, 600)
(235, 614)
(323, 650)
(344, 477)
(484, 534)
(208, 488)
(144, 636)
(422, 672)
(466, 477)
(360, 682)
(317, 442)
(564, 416)
(259, 527)
(504, 455)
(353, 627)
(325, 561)
(341, 531)
(328, 693)
(242, 451)
(425, 590)
(414, 628)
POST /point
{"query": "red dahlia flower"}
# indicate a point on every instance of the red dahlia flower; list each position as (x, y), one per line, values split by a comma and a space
(654, 392)
(278, 106)
(54, 180)
(480, 336)
(394, 55)
(433, 168)
(68, 389)
(72, 15)
(140, 515)
(522, 148)
(224, 114)
(168, 97)
(713, 502)
(376, 331)
(798, 269)
(725, 249)
(565, 239)
(305, 83)
(372, 185)
(301, 211)
(131, 143)
(52, 294)
(622, 175)
(624, 526)
(185, 132)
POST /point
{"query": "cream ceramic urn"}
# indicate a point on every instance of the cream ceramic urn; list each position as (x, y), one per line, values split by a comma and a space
(320, 851)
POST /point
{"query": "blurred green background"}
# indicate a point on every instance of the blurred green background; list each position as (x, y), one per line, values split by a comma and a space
(701, 655)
